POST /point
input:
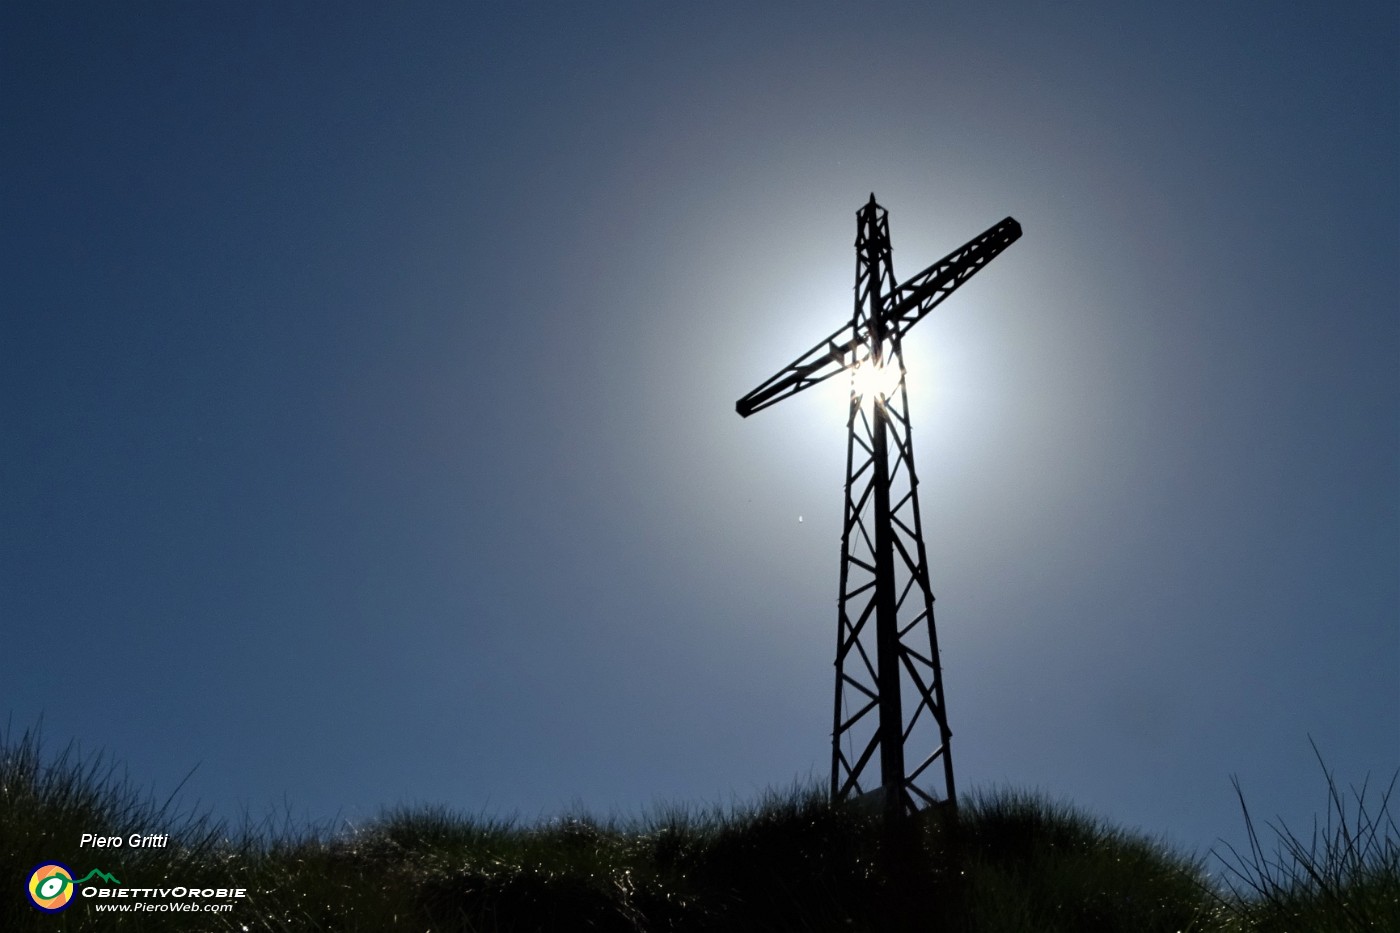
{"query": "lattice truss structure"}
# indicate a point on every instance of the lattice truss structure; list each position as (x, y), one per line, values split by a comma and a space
(889, 684)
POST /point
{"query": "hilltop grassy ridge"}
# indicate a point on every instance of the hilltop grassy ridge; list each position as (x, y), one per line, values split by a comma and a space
(1006, 861)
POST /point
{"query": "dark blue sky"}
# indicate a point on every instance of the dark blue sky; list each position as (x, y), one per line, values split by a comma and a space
(367, 378)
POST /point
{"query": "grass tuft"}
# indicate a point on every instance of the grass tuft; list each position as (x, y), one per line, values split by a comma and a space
(1343, 876)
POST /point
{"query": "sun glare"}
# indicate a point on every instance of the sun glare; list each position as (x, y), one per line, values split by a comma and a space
(873, 382)
(867, 380)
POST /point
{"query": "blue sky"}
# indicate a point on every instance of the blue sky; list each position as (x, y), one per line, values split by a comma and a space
(367, 378)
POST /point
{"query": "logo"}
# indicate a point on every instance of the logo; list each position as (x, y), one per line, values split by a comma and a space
(51, 886)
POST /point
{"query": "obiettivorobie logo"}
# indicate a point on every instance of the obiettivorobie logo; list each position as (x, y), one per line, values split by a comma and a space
(51, 885)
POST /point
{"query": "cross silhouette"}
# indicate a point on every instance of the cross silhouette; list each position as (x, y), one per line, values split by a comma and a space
(884, 566)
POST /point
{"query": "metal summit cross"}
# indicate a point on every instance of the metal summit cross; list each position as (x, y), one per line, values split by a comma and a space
(884, 567)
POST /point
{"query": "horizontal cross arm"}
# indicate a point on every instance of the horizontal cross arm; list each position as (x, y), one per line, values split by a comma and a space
(910, 301)
(826, 359)
(904, 308)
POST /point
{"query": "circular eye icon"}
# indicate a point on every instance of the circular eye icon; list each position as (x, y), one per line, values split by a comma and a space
(51, 887)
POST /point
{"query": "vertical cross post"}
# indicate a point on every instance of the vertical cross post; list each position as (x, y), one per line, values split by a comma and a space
(884, 568)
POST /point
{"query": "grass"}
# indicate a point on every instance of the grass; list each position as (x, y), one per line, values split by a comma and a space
(1344, 876)
(792, 861)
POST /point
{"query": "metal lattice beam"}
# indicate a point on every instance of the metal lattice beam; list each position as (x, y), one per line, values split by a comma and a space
(889, 684)
(908, 303)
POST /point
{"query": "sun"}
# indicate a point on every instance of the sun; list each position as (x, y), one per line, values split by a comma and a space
(873, 382)
(866, 380)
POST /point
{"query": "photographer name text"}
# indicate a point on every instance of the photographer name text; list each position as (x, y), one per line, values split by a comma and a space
(134, 841)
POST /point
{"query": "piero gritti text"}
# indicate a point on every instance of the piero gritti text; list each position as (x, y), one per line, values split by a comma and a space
(134, 841)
